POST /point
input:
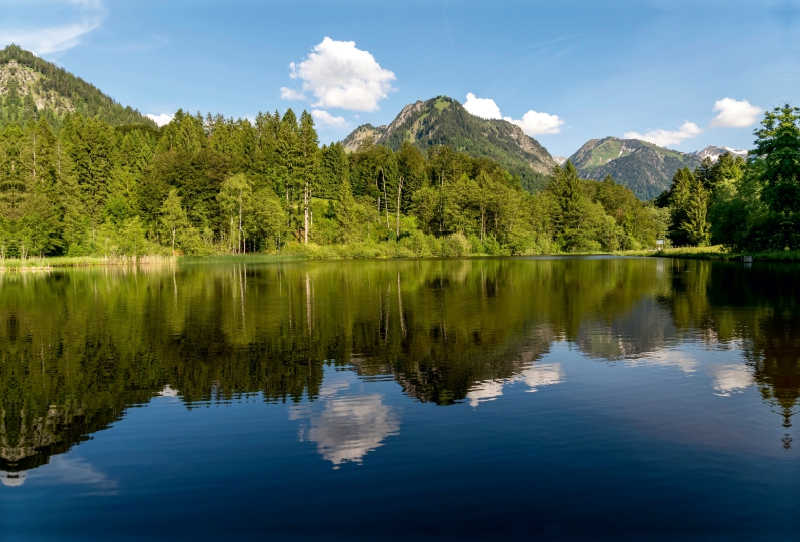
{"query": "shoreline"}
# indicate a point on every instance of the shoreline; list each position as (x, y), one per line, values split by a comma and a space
(48, 263)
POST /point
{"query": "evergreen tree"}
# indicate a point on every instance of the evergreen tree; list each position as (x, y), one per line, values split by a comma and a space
(776, 158)
(348, 214)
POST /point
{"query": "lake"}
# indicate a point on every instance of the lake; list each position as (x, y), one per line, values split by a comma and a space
(543, 398)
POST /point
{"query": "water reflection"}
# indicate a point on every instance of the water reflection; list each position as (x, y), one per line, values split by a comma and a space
(345, 423)
(535, 377)
(78, 348)
(730, 379)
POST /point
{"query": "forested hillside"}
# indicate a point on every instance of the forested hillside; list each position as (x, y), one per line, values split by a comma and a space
(214, 185)
(444, 121)
(32, 89)
(646, 168)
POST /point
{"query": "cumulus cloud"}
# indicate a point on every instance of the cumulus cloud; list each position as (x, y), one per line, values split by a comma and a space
(161, 119)
(44, 40)
(735, 114)
(532, 122)
(338, 74)
(323, 117)
(485, 108)
(663, 138)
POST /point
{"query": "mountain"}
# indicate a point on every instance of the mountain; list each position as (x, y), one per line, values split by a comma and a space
(444, 121)
(714, 152)
(646, 168)
(32, 88)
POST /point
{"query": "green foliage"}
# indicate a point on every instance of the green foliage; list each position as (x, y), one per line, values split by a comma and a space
(751, 206)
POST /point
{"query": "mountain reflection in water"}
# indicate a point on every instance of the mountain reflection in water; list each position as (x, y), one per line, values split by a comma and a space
(80, 347)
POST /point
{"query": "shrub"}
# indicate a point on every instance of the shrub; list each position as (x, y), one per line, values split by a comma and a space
(455, 245)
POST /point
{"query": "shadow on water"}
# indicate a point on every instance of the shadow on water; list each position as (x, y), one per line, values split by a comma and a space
(80, 347)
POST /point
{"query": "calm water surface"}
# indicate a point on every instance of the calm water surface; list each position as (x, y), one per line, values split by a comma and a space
(454, 399)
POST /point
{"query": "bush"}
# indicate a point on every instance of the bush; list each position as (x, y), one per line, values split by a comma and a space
(455, 245)
(416, 244)
(475, 246)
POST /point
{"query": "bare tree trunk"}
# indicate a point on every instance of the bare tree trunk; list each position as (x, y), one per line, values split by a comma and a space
(483, 223)
(239, 243)
(399, 191)
(385, 197)
(305, 213)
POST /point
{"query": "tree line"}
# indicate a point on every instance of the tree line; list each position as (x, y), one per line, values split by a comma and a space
(747, 205)
(209, 185)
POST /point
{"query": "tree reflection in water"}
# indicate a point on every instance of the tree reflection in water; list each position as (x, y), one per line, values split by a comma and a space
(80, 347)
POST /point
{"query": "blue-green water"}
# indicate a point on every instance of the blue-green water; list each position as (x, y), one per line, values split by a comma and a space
(559, 399)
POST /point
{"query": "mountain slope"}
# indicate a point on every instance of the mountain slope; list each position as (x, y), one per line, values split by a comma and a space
(444, 121)
(32, 88)
(646, 168)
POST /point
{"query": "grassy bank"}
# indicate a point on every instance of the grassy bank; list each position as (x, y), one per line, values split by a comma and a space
(33, 264)
(368, 251)
(718, 253)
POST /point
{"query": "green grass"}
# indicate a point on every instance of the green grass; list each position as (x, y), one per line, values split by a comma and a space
(718, 252)
(441, 105)
(366, 250)
(240, 258)
(14, 264)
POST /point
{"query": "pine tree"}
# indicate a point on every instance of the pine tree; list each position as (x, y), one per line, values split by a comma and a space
(777, 159)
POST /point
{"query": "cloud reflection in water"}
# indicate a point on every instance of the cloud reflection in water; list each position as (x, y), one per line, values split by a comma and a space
(344, 423)
(535, 376)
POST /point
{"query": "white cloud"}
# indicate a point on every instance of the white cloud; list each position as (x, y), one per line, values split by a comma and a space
(662, 138)
(532, 122)
(161, 119)
(58, 38)
(323, 117)
(485, 108)
(735, 114)
(340, 75)
(292, 94)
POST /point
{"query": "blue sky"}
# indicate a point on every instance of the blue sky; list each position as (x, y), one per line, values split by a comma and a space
(566, 71)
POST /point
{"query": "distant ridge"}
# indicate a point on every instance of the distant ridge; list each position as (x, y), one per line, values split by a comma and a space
(644, 167)
(444, 121)
(714, 152)
(32, 88)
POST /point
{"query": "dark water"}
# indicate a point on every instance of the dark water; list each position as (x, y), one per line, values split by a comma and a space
(620, 399)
